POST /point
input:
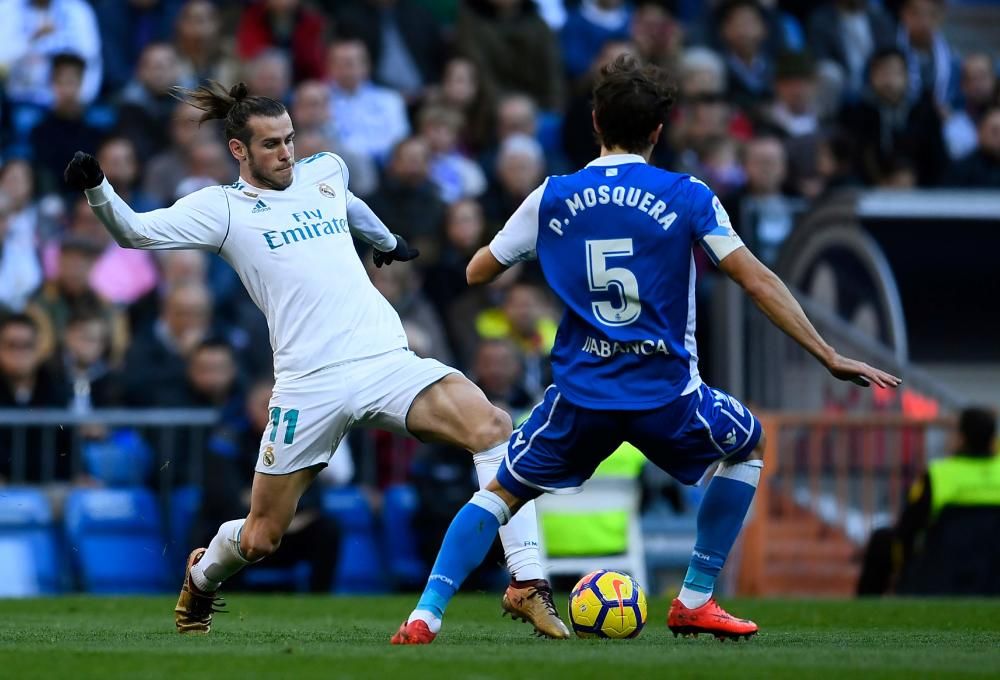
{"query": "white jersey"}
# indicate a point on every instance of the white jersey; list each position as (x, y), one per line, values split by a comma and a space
(294, 252)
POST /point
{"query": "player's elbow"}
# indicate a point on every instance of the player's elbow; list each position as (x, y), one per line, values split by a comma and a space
(473, 276)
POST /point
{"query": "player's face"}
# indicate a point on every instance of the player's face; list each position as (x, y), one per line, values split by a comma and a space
(271, 155)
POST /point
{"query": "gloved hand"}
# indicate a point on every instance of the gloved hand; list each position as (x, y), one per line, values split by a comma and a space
(83, 172)
(402, 252)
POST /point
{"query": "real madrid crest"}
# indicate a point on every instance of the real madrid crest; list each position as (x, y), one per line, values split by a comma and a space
(269, 455)
(327, 190)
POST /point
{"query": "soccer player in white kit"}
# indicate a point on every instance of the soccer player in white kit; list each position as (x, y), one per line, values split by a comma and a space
(340, 354)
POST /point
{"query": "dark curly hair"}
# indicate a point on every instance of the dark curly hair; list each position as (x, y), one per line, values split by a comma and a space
(630, 101)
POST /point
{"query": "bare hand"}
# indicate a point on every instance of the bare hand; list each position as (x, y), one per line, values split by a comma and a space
(860, 373)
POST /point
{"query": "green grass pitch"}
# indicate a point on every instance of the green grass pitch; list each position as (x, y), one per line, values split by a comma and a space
(339, 637)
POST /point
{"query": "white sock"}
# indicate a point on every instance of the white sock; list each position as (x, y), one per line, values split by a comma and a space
(433, 622)
(222, 559)
(692, 599)
(520, 535)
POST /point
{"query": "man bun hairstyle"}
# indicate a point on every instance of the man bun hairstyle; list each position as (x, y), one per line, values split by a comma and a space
(234, 106)
(630, 101)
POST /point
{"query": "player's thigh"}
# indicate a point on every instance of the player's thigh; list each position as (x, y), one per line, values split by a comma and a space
(557, 448)
(431, 401)
(689, 435)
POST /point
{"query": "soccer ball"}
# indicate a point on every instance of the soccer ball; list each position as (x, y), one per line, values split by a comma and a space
(607, 604)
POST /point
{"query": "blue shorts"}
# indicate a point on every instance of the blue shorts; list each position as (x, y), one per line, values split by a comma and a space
(560, 445)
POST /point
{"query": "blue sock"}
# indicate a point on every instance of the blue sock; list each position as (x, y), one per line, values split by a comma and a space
(720, 519)
(466, 543)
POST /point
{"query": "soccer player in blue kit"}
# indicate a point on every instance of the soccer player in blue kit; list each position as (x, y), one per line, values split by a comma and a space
(614, 241)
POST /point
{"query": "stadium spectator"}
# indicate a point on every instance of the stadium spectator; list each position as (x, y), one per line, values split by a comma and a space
(25, 383)
(464, 231)
(979, 91)
(930, 62)
(212, 376)
(498, 373)
(126, 28)
(981, 168)
(455, 175)
(657, 36)
(464, 90)
(20, 270)
(176, 268)
(407, 200)
(886, 125)
(209, 163)
(68, 293)
(843, 35)
(202, 52)
(512, 47)
(525, 319)
(744, 34)
(902, 556)
(520, 169)
(65, 128)
(34, 31)
(232, 453)
(286, 25)
(269, 74)
(368, 118)
(764, 216)
(588, 28)
(119, 159)
(311, 115)
(165, 170)
(401, 287)
(146, 107)
(517, 114)
(402, 37)
(794, 114)
(155, 366)
(85, 364)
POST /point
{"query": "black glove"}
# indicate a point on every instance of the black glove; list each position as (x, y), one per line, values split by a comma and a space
(83, 172)
(402, 252)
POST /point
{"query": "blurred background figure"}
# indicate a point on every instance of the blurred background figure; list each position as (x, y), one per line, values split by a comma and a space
(288, 26)
(946, 509)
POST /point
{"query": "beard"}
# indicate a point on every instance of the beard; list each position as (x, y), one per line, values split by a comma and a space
(267, 180)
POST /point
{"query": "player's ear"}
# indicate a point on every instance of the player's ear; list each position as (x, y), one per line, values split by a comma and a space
(654, 136)
(238, 149)
(593, 118)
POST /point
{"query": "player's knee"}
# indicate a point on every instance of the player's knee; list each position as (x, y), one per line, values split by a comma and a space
(491, 431)
(262, 540)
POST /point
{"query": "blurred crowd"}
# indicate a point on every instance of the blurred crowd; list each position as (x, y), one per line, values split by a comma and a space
(448, 113)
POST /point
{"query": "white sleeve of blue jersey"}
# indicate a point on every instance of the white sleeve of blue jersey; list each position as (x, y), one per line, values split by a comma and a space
(716, 234)
(516, 241)
(199, 220)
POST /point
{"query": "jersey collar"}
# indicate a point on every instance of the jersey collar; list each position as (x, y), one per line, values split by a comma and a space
(616, 159)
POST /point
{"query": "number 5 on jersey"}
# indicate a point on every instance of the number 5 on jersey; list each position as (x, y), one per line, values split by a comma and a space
(603, 279)
(291, 420)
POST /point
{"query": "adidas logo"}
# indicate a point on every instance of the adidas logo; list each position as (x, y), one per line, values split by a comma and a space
(260, 207)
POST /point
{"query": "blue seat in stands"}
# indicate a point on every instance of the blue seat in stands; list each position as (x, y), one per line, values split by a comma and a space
(399, 540)
(29, 546)
(123, 459)
(359, 567)
(117, 540)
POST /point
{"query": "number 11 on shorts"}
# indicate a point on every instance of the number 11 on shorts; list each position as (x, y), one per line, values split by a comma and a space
(291, 420)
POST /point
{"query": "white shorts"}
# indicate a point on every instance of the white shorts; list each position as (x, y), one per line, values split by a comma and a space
(310, 416)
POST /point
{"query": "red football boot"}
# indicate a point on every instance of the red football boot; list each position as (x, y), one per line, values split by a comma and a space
(709, 618)
(415, 633)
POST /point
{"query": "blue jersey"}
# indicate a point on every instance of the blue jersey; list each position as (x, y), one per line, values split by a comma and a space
(614, 241)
